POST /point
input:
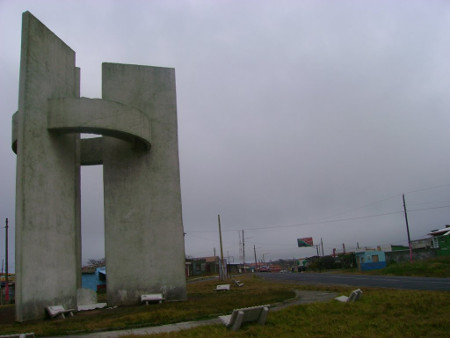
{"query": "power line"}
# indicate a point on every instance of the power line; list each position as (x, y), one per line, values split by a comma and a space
(327, 221)
(308, 223)
(429, 188)
(324, 222)
(431, 208)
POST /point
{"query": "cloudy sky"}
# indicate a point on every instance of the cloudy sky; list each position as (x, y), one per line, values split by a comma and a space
(296, 118)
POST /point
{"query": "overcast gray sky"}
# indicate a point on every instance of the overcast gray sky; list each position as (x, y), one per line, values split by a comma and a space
(296, 118)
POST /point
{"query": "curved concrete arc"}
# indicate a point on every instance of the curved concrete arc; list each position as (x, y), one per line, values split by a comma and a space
(91, 148)
(15, 125)
(99, 116)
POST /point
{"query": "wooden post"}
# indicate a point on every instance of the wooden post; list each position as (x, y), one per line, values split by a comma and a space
(223, 268)
(256, 262)
(6, 265)
(407, 229)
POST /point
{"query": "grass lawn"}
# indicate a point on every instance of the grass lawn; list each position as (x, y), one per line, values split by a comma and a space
(380, 312)
(203, 302)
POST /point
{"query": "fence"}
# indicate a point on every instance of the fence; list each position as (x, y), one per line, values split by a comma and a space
(403, 255)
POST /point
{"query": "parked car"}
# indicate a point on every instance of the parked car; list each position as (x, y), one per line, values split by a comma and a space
(264, 269)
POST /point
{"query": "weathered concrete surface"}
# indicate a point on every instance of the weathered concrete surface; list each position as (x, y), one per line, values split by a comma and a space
(97, 116)
(47, 197)
(86, 297)
(144, 240)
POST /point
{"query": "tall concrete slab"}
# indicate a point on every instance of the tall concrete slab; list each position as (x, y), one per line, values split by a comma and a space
(47, 193)
(137, 116)
(144, 238)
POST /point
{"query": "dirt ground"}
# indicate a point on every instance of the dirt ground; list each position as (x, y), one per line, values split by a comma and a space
(7, 314)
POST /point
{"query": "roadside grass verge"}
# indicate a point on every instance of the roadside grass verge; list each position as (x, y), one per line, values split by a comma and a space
(379, 313)
(438, 267)
(433, 267)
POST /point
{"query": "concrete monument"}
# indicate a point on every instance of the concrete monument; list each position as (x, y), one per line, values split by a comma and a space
(137, 118)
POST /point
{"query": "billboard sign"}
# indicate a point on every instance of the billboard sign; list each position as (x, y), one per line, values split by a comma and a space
(305, 242)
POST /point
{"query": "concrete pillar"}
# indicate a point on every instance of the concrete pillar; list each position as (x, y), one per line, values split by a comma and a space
(47, 199)
(144, 239)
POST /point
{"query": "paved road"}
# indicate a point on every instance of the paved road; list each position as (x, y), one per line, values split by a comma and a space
(394, 282)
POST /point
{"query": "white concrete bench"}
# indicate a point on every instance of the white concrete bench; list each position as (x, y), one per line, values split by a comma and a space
(223, 287)
(354, 296)
(238, 283)
(58, 310)
(152, 297)
(256, 314)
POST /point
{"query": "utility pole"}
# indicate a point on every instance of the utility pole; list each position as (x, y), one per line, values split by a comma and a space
(343, 247)
(256, 262)
(6, 265)
(240, 245)
(321, 243)
(222, 270)
(243, 252)
(407, 229)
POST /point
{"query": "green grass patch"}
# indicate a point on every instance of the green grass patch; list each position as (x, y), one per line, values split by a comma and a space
(203, 303)
(380, 313)
(434, 267)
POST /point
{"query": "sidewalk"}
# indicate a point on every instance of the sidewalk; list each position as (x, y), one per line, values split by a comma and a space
(150, 330)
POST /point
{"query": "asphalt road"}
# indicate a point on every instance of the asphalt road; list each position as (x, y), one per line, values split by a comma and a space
(393, 282)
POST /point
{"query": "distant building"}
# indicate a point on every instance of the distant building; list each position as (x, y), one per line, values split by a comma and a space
(370, 260)
(424, 243)
(441, 240)
(391, 247)
(94, 278)
(202, 266)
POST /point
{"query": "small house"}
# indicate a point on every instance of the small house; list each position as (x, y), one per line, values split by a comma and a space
(441, 240)
(370, 260)
(94, 278)
(202, 266)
